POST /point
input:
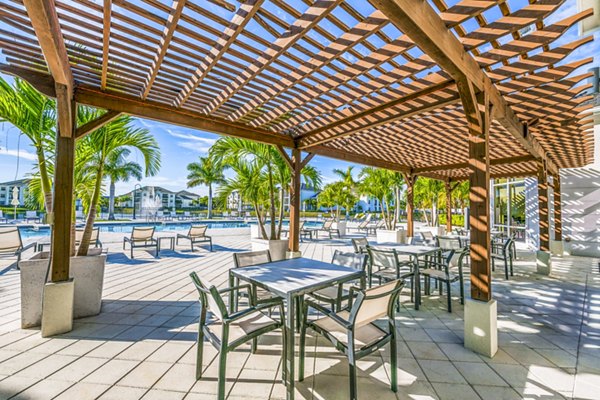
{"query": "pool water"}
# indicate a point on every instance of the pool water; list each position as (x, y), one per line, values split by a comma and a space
(31, 231)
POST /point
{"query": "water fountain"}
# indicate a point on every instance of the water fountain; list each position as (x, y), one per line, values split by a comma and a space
(150, 205)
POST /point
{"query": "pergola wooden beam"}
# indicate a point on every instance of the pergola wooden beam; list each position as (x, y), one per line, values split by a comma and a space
(97, 123)
(306, 140)
(44, 20)
(41, 82)
(493, 161)
(424, 26)
(107, 11)
(165, 41)
(239, 21)
(357, 158)
(161, 112)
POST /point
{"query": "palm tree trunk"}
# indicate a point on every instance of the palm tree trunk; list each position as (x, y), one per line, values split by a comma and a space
(45, 180)
(397, 209)
(111, 201)
(261, 223)
(209, 212)
(281, 213)
(91, 217)
(271, 200)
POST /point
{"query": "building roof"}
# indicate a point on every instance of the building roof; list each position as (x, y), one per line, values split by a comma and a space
(382, 84)
(18, 182)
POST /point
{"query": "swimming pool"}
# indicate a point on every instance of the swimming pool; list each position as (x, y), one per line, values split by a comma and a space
(31, 231)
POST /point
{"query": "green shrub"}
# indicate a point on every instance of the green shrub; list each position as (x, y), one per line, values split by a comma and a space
(457, 219)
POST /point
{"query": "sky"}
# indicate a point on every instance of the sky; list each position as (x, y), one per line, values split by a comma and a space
(181, 146)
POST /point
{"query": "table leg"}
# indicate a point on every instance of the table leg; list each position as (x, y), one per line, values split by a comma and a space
(288, 363)
(417, 282)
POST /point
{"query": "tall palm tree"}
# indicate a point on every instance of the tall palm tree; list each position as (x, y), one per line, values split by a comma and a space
(347, 180)
(208, 171)
(427, 192)
(99, 147)
(117, 168)
(379, 183)
(35, 117)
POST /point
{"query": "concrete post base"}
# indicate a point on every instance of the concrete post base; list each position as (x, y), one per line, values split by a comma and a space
(293, 254)
(556, 248)
(481, 327)
(543, 262)
(57, 308)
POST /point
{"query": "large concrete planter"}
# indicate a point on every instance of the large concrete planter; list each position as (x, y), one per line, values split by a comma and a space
(277, 248)
(87, 274)
(341, 226)
(389, 236)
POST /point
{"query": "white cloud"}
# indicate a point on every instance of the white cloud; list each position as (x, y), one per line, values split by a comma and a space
(192, 142)
(24, 154)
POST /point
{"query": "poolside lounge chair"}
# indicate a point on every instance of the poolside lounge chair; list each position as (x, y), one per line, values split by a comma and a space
(94, 239)
(32, 216)
(141, 237)
(328, 227)
(226, 331)
(354, 332)
(196, 234)
(303, 231)
(11, 243)
(364, 225)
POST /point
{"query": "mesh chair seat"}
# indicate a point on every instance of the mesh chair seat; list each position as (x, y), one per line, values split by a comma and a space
(439, 274)
(244, 326)
(330, 292)
(364, 336)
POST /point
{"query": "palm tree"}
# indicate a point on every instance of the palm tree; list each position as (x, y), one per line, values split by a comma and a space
(208, 171)
(35, 117)
(338, 195)
(117, 168)
(99, 147)
(347, 180)
(378, 183)
(427, 192)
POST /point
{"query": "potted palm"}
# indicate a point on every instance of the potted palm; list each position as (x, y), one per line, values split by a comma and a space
(384, 185)
(262, 178)
(336, 196)
(207, 172)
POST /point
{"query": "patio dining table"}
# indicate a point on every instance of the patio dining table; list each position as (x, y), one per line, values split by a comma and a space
(415, 252)
(292, 279)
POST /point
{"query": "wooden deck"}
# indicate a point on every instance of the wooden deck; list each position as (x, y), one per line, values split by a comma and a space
(142, 345)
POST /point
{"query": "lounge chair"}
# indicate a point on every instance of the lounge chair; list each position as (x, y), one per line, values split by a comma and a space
(226, 331)
(11, 243)
(196, 234)
(303, 231)
(328, 227)
(141, 237)
(354, 331)
(94, 239)
(364, 225)
(32, 216)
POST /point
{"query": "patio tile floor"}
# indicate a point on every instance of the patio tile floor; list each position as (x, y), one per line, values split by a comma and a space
(142, 345)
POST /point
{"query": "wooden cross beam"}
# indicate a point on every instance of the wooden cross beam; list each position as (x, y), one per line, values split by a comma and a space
(107, 11)
(493, 161)
(424, 26)
(97, 123)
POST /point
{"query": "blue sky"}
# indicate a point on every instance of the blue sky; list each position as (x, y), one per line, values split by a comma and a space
(180, 146)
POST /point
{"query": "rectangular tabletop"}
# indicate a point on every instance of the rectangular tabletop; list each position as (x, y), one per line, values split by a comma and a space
(297, 275)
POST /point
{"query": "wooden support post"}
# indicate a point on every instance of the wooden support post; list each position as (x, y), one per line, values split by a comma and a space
(478, 112)
(448, 187)
(63, 186)
(557, 210)
(294, 239)
(543, 209)
(410, 200)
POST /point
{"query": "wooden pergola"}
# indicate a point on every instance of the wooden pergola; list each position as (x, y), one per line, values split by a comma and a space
(471, 90)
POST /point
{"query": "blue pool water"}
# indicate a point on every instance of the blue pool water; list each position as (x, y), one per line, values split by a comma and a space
(29, 231)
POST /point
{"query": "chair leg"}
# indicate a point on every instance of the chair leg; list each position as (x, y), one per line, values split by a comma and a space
(449, 294)
(493, 264)
(511, 266)
(222, 370)
(393, 360)
(506, 268)
(199, 351)
(352, 374)
(462, 290)
(302, 354)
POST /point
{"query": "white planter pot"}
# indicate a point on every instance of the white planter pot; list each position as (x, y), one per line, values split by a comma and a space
(341, 226)
(87, 273)
(388, 236)
(255, 230)
(277, 248)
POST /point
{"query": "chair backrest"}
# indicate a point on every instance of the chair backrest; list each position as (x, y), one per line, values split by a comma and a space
(449, 243)
(328, 224)
(351, 260)
(382, 259)
(250, 258)
(210, 297)
(426, 235)
(10, 239)
(507, 246)
(93, 238)
(197, 230)
(30, 214)
(360, 245)
(142, 233)
(380, 224)
(301, 226)
(374, 303)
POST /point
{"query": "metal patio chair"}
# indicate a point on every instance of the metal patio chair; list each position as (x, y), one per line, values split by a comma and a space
(249, 259)
(360, 245)
(335, 295)
(196, 234)
(227, 331)
(11, 243)
(354, 332)
(447, 272)
(141, 237)
(505, 252)
(328, 227)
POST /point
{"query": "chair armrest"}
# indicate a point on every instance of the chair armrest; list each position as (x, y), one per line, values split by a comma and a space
(238, 287)
(329, 313)
(30, 245)
(250, 310)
